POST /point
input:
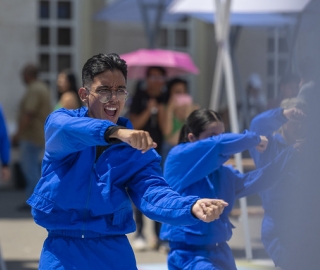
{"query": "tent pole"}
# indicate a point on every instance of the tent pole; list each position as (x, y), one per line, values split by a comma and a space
(215, 96)
(150, 29)
(227, 65)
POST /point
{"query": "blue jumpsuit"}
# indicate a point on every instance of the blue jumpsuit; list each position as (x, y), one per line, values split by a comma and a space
(274, 199)
(4, 140)
(196, 169)
(85, 204)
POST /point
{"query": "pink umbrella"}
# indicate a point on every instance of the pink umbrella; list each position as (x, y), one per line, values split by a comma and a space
(175, 63)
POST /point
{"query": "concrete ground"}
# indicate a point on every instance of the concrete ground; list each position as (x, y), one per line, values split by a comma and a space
(21, 239)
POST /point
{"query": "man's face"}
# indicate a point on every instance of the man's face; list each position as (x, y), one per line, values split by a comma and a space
(111, 80)
(155, 82)
(294, 130)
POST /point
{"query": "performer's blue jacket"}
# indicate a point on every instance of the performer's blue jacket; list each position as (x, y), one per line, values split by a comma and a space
(196, 168)
(79, 196)
(267, 123)
(4, 140)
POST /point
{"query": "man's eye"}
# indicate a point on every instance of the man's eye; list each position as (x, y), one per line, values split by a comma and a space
(104, 92)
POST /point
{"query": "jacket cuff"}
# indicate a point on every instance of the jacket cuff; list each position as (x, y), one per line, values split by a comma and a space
(109, 132)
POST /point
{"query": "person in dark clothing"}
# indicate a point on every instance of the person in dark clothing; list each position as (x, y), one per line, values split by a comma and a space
(143, 114)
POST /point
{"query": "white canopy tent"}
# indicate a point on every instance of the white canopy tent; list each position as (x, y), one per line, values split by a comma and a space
(221, 10)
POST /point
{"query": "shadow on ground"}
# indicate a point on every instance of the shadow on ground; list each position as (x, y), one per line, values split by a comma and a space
(12, 204)
(21, 265)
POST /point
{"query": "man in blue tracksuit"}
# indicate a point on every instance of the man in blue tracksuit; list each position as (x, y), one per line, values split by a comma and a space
(283, 127)
(94, 163)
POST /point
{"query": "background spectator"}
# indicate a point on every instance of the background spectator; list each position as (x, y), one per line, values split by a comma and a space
(174, 112)
(143, 114)
(67, 91)
(34, 108)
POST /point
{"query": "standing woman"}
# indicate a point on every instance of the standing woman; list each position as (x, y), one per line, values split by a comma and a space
(195, 167)
(68, 97)
(177, 106)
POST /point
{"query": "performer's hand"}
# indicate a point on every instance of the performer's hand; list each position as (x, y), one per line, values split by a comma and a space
(208, 210)
(138, 139)
(262, 146)
(294, 114)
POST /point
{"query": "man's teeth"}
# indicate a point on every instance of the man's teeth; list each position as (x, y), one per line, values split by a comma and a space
(111, 108)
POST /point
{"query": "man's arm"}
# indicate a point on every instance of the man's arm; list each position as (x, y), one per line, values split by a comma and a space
(66, 133)
(152, 195)
(4, 148)
(268, 122)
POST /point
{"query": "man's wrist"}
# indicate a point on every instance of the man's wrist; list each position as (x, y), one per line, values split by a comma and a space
(109, 132)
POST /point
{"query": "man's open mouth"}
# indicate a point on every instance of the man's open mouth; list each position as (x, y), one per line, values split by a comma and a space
(110, 110)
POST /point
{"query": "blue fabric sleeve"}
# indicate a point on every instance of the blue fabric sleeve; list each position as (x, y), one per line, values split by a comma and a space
(154, 198)
(4, 140)
(264, 178)
(66, 133)
(265, 124)
(268, 122)
(191, 162)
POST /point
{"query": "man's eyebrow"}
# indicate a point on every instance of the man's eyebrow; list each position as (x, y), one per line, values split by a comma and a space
(110, 87)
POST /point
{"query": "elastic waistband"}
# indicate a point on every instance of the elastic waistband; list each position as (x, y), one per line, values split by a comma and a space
(180, 245)
(78, 233)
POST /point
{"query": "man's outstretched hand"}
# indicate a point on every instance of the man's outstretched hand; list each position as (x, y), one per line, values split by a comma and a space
(138, 139)
(208, 210)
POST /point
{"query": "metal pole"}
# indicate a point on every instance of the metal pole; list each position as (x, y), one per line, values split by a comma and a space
(215, 96)
(223, 6)
(150, 29)
(2, 263)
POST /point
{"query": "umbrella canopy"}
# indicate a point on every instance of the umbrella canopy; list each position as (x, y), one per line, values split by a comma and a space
(240, 6)
(175, 63)
(250, 19)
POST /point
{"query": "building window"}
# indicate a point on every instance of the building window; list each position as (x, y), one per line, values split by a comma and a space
(163, 37)
(44, 61)
(64, 10)
(277, 59)
(44, 36)
(44, 10)
(181, 38)
(64, 36)
(64, 61)
(57, 29)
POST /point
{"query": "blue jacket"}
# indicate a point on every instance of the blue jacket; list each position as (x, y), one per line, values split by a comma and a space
(4, 140)
(196, 169)
(267, 123)
(88, 198)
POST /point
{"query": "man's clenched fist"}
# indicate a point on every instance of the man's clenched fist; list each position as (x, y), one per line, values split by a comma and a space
(208, 210)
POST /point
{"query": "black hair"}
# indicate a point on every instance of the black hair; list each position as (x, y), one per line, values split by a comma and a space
(71, 77)
(161, 69)
(170, 84)
(31, 70)
(100, 63)
(197, 122)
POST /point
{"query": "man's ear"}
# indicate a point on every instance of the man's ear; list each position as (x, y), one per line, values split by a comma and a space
(83, 94)
(191, 137)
